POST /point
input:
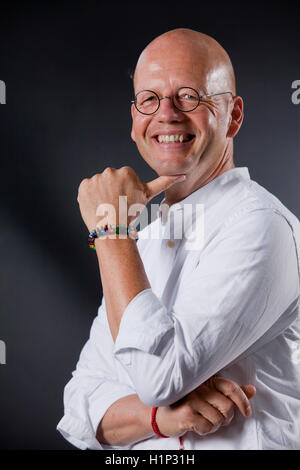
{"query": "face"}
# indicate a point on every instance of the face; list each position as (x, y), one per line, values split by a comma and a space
(204, 129)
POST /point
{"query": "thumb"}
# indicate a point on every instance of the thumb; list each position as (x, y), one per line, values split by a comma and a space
(249, 390)
(162, 183)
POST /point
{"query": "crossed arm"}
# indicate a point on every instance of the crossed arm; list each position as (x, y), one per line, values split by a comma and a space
(129, 420)
(103, 408)
(202, 411)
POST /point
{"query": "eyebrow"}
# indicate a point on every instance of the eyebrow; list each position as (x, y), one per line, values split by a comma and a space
(198, 89)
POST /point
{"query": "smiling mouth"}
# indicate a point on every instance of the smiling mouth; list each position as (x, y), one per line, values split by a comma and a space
(174, 138)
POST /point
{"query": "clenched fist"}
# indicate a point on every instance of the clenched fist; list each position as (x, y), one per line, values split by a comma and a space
(102, 191)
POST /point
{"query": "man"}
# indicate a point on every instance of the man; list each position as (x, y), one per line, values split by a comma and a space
(171, 317)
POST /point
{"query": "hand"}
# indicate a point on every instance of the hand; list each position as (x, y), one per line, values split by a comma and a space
(106, 187)
(206, 408)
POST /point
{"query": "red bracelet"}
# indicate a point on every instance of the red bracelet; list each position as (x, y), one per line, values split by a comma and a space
(157, 431)
(154, 423)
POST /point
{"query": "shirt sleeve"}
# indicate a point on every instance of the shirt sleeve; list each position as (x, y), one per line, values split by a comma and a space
(244, 285)
(93, 388)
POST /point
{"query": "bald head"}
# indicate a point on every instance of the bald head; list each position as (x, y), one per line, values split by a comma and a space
(192, 50)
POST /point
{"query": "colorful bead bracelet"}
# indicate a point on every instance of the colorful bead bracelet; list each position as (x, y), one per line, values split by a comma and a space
(110, 230)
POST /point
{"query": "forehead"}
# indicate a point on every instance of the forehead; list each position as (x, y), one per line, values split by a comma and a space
(159, 73)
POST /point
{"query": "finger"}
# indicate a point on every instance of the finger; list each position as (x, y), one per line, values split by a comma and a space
(219, 401)
(229, 418)
(161, 184)
(202, 426)
(208, 411)
(231, 390)
(249, 390)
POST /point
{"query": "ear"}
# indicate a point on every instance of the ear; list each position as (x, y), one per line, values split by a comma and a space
(237, 116)
(132, 115)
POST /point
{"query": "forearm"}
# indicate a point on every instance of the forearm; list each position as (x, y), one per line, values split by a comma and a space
(126, 421)
(122, 274)
(121, 267)
(203, 411)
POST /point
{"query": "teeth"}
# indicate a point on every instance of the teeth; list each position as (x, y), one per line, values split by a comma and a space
(172, 138)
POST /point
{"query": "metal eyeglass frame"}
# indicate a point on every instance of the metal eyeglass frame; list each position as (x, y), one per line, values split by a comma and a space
(172, 98)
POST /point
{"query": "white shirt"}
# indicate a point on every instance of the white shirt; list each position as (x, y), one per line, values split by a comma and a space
(230, 307)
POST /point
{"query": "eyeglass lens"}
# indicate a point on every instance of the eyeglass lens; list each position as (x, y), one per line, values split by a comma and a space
(185, 99)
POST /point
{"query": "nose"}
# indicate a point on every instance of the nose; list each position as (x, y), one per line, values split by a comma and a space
(167, 111)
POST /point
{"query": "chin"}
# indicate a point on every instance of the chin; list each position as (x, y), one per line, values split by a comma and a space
(173, 162)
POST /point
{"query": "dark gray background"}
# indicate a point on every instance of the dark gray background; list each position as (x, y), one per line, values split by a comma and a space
(66, 67)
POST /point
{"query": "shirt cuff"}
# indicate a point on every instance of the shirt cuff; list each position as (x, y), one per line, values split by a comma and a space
(82, 432)
(144, 323)
(77, 433)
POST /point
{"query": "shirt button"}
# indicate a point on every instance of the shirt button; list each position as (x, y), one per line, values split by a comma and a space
(170, 243)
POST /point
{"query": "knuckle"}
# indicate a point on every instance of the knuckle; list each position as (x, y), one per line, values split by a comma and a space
(187, 412)
(234, 387)
(126, 169)
(228, 409)
(187, 418)
(216, 417)
(184, 425)
(108, 170)
(231, 387)
(83, 183)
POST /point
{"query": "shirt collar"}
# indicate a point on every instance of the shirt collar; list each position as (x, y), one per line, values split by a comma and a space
(205, 194)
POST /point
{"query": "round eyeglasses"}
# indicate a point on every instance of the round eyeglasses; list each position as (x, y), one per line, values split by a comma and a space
(184, 99)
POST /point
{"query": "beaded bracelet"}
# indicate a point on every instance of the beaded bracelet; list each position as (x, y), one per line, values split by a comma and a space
(112, 229)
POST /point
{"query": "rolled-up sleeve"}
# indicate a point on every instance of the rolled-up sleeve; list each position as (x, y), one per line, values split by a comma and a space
(93, 388)
(246, 280)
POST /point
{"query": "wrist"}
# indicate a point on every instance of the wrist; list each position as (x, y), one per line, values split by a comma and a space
(156, 421)
(112, 232)
(144, 419)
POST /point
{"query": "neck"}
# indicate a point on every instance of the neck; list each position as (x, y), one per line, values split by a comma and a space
(180, 191)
